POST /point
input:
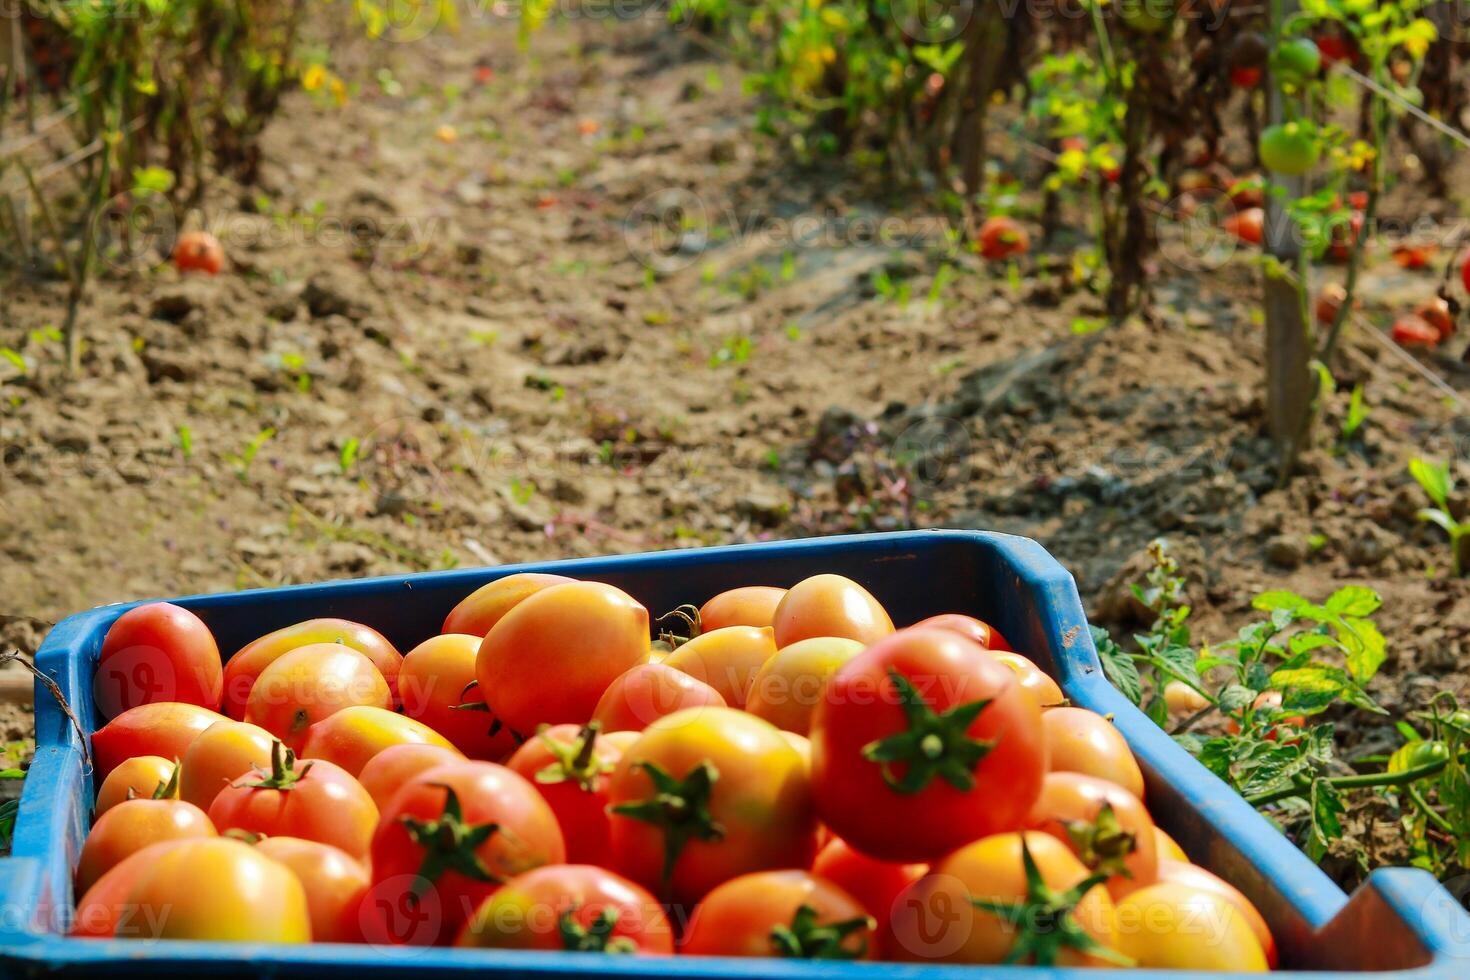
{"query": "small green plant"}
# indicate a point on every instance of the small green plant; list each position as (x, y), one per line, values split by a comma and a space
(347, 456)
(1438, 485)
(1357, 414)
(242, 462)
(521, 491)
(186, 441)
(735, 350)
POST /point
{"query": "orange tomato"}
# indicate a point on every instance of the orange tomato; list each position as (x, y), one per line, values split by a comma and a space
(937, 919)
(313, 799)
(749, 605)
(246, 665)
(1123, 843)
(222, 753)
(198, 251)
(310, 683)
(1436, 312)
(726, 659)
(1078, 740)
(102, 910)
(335, 884)
(1174, 926)
(976, 629)
(218, 889)
(141, 775)
(876, 884)
(1183, 873)
(484, 607)
(163, 729)
(571, 907)
(1248, 225)
(1002, 238)
(438, 687)
(1168, 847)
(788, 686)
(1037, 685)
(578, 635)
(385, 772)
(353, 736)
(830, 605)
(131, 826)
(648, 692)
(792, 914)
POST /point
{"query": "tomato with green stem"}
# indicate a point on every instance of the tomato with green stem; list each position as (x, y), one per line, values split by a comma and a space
(1106, 826)
(570, 766)
(165, 729)
(706, 795)
(154, 653)
(222, 753)
(133, 825)
(582, 634)
(1007, 898)
(313, 799)
(448, 839)
(922, 742)
(726, 659)
(334, 881)
(749, 605)
(246, 665)
(1079, 740)
(1174, 926)
(142, 775)
(385, 772)
(438, 687)
(641, 696)
(577, 908)
(352, 737)
(787, 914)
(310, 683)
(829, 605)
(479, 611)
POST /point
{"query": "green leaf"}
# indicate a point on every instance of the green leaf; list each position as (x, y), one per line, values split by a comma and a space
(1354, 600)
(152, 180)
(1271, 601)
(1364, 648)
(1118, 666)
(1327, 811)
(1309, 689)
(1434, 478)
(1234, 697)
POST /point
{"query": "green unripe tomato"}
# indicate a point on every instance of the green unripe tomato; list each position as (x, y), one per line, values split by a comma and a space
(1289, 148)
(1146, 16)
(1416, 755)
(1296, 61)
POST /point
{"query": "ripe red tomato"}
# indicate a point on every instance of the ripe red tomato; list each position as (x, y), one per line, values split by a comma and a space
(1329, 301)
(1159, 927)
(142, 775)
(576, 908)
(1248, 225)
(353, 736)
(1436, 312)
(335, 884)
(750, 605)
(705, 795)
(581, 634)
(1407, 256)
(976, 629)
(1334, 48)
(1079, 740)
(922, 742)
(448, 839)
(133, 825)
(385, 772)
(198, 251)
(943, 917)
(484, 607)
(875, 884)
(786, 689)
(641, 696)
(438, 687)
(830, 605)
(310, 683)
(1244, 77)
(1106, 826)
(154, 653)
(791, 914)
(246, 665)
(312, 799)
(1414, 331)
(726, 659)
(1002, 238)
(570, 767)
(217, 889)
(222, 753)
(163, 729)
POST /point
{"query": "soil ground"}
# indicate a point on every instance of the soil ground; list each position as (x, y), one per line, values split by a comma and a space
(456, 339)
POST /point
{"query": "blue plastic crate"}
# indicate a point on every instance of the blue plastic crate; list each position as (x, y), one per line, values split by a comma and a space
(1401, 920)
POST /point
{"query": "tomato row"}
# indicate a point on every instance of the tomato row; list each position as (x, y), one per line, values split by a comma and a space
(795, 777)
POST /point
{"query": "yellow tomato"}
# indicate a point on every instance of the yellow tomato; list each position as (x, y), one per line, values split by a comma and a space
(830, 605)
(141, 775)
(353, 736)
(788, 686)
(484, 607)
(222, 753)
(1174, 926)
(1079, 740)
(726, 659)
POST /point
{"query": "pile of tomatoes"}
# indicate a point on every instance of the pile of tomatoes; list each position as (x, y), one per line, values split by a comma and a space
(790, 776)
